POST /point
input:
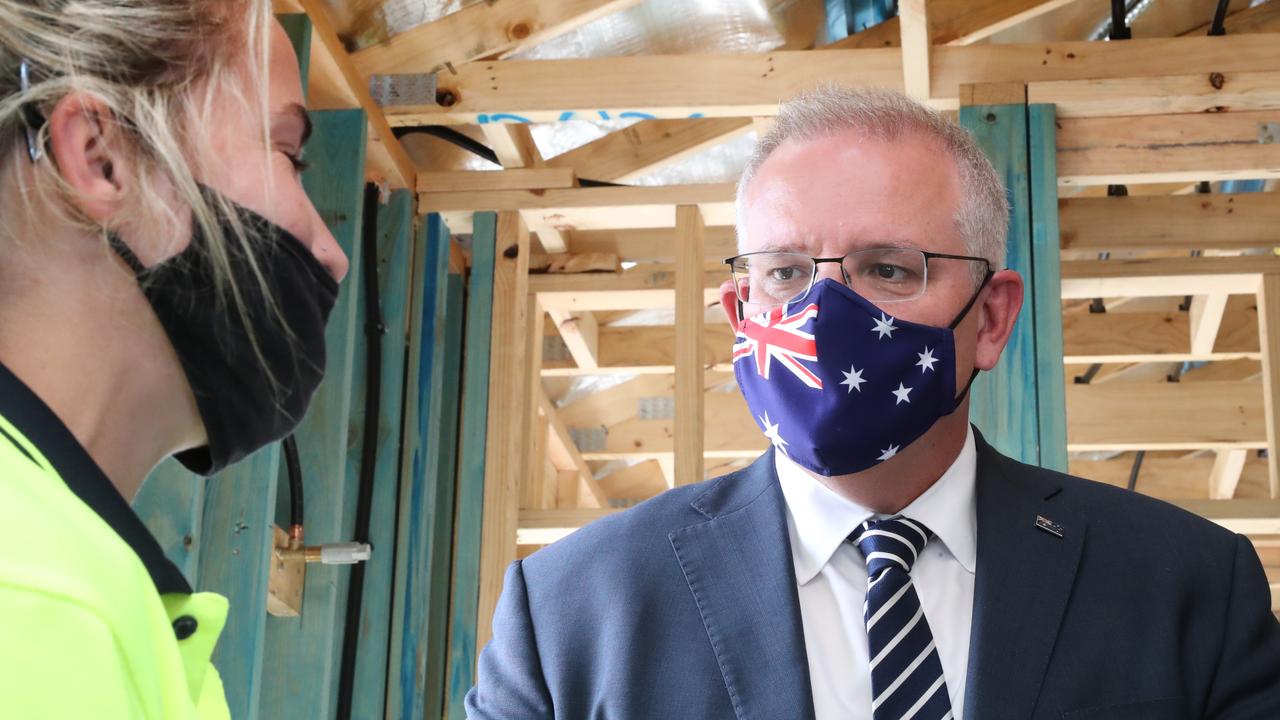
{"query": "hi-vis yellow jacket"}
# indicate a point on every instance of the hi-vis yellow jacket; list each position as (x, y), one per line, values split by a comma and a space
(90, 628)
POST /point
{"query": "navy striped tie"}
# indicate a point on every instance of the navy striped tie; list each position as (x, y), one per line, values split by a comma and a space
(906, 674)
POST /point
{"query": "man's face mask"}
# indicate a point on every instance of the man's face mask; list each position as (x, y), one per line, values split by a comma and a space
(838, 385)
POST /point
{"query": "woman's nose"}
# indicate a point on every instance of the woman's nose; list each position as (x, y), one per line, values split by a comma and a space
(329, 253)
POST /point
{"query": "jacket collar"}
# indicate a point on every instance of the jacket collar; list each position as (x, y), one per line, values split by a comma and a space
(42, 428)
(1024, 579)
(738, 567)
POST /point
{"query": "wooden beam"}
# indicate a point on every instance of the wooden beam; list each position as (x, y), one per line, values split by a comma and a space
(1168, 416)
(386, 155)
(1159, 337)
(1228, 467)
(563, 453)
(642, 287)
(649, 245)
(480, 31)
(1174, 478)
(635, 483)
(1166, 148)
(581, 334)
(505, 457)
(913, 22)
(513, 144)
(1247, 517)
(744, 85)
(1206, 317)
(647, 145)
(646, 349)
(963, 22)
(596, 208)
(481, 181)
(1209, 92)
(1162, 277)
(690, 313)
(1171, 222)
(536, 425)
(543, 527)
(1269, 337)
(1264, 18)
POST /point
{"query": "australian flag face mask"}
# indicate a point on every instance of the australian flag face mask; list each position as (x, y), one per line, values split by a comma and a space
(838, 385)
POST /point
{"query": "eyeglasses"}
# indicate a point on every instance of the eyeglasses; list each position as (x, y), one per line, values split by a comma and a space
(881, 275)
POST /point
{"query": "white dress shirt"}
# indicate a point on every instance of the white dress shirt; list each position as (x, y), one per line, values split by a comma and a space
(832, 579)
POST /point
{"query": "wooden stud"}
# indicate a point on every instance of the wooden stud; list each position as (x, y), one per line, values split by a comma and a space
(513, 144)
(543, 527)
(581, 334)
(424, 529)
(394, 252)
(1046, 287)
(1174, 478)
(561, 263)
(690, 311)
(464, 603)
(569, 463)
(653, 244)
(1171, 222)
(596, 208)
(913, 22)
(534, 441)
(646, 349)
(385, 153)
(649, 144)
(1208, 92)
(480, 31)
(1269, 338)
(1167, 416)
(1166, 148)
(309, 646)
(505, 455)
(1224, 478)
(1206, 318)
(481, 181)
(1162, 277)
(676, 86)
(1118, 337)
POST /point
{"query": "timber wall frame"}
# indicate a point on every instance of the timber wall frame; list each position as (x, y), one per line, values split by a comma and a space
(492, 463)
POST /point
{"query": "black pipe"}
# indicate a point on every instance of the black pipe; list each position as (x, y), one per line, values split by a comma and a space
(373, 332)
(1119, 25)
(294, 466)
(1218, 26)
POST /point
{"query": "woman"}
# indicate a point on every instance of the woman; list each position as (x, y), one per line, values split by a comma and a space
(163, 291)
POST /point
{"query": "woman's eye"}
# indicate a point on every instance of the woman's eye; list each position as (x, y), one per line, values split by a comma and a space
(299, 165)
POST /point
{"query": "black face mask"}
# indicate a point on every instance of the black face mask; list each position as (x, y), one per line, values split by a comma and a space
(247, 396)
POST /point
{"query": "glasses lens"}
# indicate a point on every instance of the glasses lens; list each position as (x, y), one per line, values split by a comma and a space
(771, 278)
(887, 274)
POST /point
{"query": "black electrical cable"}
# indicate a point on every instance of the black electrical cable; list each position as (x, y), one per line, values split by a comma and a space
(294, 467)
(1119, 25)
(1218, 26)
(373, 331)
(479, 149)
(1137, 467)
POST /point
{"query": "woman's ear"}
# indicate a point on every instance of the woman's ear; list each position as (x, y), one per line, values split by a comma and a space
(86, 145)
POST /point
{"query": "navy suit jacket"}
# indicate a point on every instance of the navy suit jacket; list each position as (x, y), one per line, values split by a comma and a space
(686, 607)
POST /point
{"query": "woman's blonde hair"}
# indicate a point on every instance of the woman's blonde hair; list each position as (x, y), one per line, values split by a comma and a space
(160, 66)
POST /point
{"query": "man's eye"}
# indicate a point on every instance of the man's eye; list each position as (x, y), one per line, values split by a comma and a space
(888, 272)
(784, 274)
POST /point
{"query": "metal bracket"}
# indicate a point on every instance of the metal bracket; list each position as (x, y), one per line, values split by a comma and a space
(1268, 133)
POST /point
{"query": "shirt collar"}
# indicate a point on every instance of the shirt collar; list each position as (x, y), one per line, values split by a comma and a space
(821, 520)
(27, 412)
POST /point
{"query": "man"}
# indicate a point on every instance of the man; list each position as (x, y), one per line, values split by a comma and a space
(882, 560)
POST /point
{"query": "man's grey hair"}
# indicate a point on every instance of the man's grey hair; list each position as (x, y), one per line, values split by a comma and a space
(886, 115)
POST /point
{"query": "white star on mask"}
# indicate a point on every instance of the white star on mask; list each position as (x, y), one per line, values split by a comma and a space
(890, 452)
(901, 393)
(926, 360)
(771, 432)
(853, 379)
(884, 326)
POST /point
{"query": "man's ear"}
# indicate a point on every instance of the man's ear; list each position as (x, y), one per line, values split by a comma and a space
(87, 146)
(729, 301)
(997, 313)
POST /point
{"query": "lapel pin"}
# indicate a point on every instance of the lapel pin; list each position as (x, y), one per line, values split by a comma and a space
(1048, 526)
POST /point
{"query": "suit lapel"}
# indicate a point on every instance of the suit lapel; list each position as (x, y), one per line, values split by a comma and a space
(739, 568)
(1024, 578)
